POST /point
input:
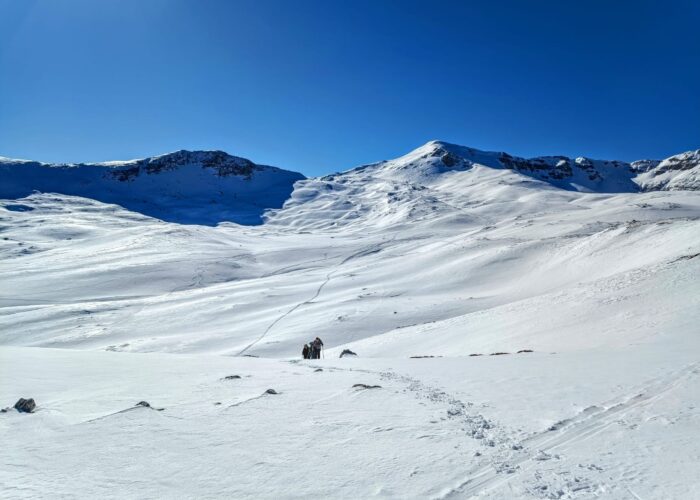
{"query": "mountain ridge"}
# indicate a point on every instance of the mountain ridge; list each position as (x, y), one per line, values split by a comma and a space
(210, 187)
(201, 187)
(580, 173)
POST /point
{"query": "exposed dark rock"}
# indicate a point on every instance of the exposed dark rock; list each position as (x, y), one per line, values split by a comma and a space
(449, 159)
(231, 377)
(318, 370)
(423, 357)
(365, 386)
(25, 405)
(347, 352)
(498, 353)
(475, 354)
(524, 350)
(125, 174)
(271, 391)
(146, 404)
(222, 163)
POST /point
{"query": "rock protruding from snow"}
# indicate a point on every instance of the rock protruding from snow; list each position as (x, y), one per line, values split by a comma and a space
(347, 352)
(223, 164)
(25, 405)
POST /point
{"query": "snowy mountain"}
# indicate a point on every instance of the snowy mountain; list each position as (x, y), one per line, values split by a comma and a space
(440, 178)
(199, 187)
(675, 173)
(680, 172)
(531, 325)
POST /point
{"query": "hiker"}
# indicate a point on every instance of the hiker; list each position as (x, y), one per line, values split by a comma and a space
(306, 351)
(316, 347)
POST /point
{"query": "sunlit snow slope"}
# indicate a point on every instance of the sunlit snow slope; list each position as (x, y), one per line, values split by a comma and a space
(415, 256)
(446, 252)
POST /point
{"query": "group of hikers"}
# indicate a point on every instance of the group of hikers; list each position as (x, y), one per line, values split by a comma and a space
(312, 350)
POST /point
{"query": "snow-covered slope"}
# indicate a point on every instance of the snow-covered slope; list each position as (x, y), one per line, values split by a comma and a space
(444, 252)
(677, 172)
(201, 187)
(350, 256)
(608, 423)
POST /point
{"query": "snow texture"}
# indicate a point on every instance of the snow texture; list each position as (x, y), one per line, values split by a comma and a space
(524, 329)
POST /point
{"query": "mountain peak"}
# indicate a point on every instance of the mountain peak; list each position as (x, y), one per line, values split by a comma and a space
(680, 171)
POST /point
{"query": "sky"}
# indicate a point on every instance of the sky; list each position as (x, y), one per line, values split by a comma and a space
(323, 86)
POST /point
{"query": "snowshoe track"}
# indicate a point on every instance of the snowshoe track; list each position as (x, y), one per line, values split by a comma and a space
(561, 436)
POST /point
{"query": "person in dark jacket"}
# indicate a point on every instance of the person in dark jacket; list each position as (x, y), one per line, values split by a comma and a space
(306, 351)
(316, 347)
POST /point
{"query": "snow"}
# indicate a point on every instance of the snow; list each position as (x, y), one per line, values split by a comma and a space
(191, 187)
(677, 172)
(625, 424)
(441, 257)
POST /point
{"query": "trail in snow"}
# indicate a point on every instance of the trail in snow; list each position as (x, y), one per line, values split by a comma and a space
(588, 423)
(290, 311)
(135, 407)
(360, 253)
(426, 258)
(504, 458)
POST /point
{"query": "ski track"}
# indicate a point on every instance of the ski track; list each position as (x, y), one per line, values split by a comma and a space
(290, 311)
(362, 252)
(126, 410)
(510, 458)
(562, 435)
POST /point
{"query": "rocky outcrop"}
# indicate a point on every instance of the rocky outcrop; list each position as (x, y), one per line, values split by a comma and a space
(223, 165)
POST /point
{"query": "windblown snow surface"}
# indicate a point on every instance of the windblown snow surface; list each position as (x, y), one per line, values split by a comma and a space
(428, 267)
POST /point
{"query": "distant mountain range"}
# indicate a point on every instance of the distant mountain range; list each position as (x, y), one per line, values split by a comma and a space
(208, 187)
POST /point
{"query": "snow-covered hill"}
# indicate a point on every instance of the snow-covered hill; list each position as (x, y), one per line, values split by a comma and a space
(198, 187)
(446, 252)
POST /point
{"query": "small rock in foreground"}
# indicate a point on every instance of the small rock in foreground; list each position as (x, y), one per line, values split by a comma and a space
(25, 405)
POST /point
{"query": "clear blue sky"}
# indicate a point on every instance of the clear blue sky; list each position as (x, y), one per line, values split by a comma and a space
(321, 86)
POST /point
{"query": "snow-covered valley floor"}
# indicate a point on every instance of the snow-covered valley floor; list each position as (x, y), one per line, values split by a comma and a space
(610, 424)
(426, 275)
